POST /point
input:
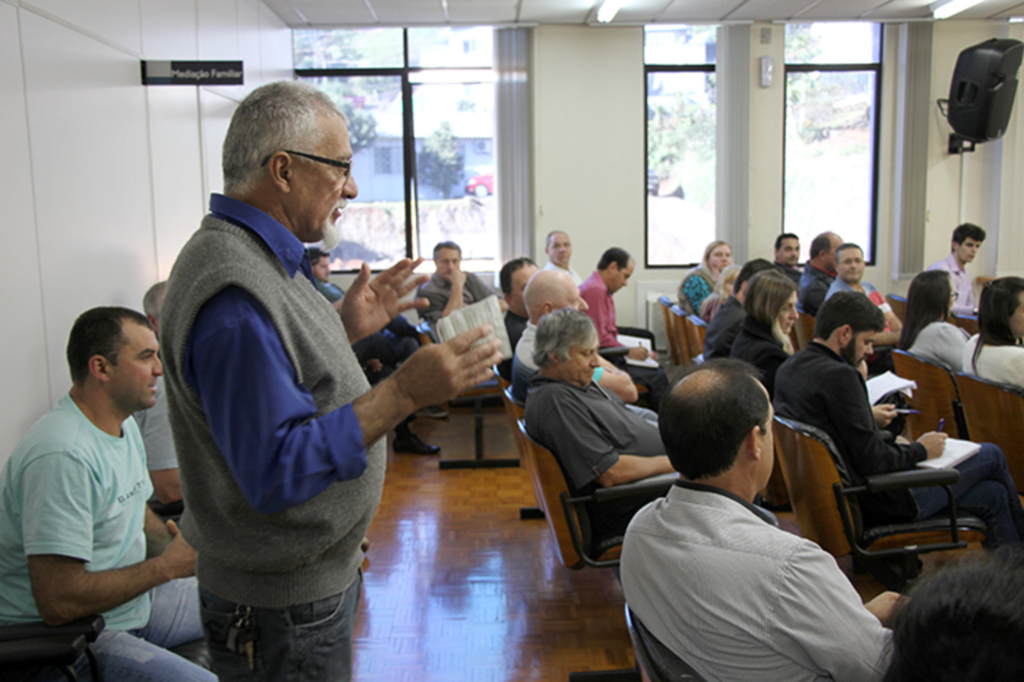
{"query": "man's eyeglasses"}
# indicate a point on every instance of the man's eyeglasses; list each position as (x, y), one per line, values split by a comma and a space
(345, 166)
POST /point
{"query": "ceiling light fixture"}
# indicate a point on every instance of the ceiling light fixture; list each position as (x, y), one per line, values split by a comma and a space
(944, 10)
(608, 10)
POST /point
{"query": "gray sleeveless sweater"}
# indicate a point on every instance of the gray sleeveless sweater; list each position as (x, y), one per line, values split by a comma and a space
(308, 551)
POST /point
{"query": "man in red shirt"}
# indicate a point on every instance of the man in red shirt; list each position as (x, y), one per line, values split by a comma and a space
(613, 273)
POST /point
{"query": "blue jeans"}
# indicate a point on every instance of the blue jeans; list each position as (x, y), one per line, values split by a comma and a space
(305, 642)
(141, 655)
(986, 490)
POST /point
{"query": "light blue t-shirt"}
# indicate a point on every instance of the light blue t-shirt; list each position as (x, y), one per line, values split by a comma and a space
(73, 490)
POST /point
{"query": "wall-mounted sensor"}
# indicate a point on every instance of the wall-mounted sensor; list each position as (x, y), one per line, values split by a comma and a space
(766, 71)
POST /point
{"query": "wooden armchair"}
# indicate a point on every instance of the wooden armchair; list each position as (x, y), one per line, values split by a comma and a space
(686, 353)
(828, 511)
(804, 330)
(936, 397)
(670, 331)
(995, 414)
(898, 305)
(566, 511)
(696, 328)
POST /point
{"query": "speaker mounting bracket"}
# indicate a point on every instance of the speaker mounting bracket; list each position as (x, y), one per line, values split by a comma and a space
(959, 145)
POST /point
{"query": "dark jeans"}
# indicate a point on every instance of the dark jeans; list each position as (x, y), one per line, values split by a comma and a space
(985, 490)
(298, 643)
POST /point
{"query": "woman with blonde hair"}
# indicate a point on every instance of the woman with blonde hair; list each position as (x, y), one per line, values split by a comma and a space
(723, 290)
(699, 282)
(764, 341)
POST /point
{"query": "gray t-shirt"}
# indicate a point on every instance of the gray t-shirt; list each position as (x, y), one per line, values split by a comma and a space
(439, 290)
(587, 428)
(156, 432)
(942, 343)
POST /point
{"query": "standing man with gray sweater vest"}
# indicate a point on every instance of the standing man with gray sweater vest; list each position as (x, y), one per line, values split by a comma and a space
(281, 439)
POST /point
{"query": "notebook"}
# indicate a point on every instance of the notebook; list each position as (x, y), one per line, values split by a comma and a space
(956, 451)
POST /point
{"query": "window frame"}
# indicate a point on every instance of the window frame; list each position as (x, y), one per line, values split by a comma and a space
(664, 68)
(877, 67)
(405, 73)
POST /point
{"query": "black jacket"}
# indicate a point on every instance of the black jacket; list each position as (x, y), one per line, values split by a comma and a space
(756, 345)
(819, 388)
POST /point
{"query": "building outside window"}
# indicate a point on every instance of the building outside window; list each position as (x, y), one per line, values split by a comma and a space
(420, 104)
(833, 85)
(680, 182)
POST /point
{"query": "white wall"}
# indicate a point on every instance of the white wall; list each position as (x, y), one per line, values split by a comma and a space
(588, 156)
(104, 179)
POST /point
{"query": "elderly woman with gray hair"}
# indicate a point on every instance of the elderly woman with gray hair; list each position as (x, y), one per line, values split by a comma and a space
(597, 439)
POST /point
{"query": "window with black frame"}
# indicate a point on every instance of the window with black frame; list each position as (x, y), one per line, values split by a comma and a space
(680, 183)
(833, 86)
(420, 104)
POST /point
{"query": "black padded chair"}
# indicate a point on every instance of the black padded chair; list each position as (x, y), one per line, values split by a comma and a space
(816, 472)
(657, 661)
(37, 645)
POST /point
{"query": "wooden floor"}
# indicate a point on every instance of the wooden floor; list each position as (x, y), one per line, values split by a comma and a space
(458, 588)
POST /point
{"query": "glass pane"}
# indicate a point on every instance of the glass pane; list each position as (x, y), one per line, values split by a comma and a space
(680, 166)
(441, 47)
(455, 179)
(830, 155)
(373, 225)
(372, 48)
(833, 43)
(679, 44)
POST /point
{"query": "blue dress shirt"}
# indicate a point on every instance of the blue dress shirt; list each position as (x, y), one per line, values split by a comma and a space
(262, 419)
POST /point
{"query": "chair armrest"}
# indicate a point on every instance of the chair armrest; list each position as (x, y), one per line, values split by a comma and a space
(643, 486)
(613, 351)
(915, 478)
(90, 626)
(60, 650)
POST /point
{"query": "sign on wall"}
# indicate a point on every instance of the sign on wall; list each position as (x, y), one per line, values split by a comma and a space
(155, 72)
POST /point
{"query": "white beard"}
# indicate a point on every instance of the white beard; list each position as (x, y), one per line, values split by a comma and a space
(332, 231)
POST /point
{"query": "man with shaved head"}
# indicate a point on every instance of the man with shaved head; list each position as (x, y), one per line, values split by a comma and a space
(546, 291)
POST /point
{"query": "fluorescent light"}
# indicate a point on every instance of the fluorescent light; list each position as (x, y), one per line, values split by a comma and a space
(1016, 20)
(948, 9)
(608, 10)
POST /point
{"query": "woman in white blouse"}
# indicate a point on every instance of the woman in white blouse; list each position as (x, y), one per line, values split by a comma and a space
(996, 353)
(927, 332)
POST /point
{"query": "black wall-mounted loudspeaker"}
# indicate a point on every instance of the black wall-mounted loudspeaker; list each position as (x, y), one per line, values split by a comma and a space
(984, 85)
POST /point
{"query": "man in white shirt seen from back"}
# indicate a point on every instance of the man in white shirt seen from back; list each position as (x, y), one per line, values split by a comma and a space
(714, 579)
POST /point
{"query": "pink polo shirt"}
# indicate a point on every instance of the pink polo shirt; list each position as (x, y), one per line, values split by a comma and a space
(601, 309)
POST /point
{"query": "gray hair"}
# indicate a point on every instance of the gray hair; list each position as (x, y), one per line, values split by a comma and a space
(276, 116)
(558, 332)
(153, 301)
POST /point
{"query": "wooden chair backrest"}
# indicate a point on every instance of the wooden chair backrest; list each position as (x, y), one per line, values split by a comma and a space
(804, 328)
(550, 482)
(969, 323)
(670, 330)
(810, 473)
(695, 330)
(898, 304)
(933, 398)
(995, 414)
(686, 353)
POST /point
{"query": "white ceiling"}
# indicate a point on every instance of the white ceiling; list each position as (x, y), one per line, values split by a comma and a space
(303, 13)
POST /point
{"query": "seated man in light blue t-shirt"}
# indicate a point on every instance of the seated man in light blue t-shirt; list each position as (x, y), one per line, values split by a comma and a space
(76, 537)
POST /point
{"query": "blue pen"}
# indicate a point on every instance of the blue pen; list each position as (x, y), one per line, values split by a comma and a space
(942, 422)
(902, 411)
